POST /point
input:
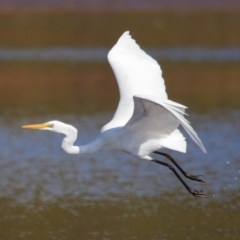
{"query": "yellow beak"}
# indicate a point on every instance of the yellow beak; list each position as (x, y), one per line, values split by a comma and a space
(37, 126)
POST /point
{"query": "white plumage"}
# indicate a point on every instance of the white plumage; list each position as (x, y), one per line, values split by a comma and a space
(148, 119)
(145, 120)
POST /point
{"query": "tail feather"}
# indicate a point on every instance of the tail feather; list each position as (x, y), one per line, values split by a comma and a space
(175, 141)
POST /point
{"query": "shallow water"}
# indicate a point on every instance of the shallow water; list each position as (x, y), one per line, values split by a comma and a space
(48, 194)
(40, 184)
(39, 166)
(39, 161)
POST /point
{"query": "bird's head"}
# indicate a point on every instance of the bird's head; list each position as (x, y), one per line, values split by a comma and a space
(54, 126)
(60, 127)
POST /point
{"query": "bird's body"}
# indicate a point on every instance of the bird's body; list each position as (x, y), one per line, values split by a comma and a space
(145, 120)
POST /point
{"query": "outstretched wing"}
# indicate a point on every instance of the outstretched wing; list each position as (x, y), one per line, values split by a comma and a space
(136, 73)
(155, 119)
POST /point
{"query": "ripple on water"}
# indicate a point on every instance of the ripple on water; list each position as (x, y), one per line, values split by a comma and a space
(32, 165)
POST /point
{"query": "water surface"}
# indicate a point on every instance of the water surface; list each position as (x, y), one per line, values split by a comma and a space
(39, 161)
(68, 195)
(48, 194)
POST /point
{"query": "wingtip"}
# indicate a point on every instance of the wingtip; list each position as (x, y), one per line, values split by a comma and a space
(200, 144)
(126, 32)
(204, 150)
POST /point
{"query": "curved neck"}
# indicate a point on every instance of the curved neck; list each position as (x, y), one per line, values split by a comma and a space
(71, 136)
(68, 147)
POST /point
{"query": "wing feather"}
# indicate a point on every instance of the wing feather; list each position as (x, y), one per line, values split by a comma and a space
(156, 118)
(136, 73)
(140, 83)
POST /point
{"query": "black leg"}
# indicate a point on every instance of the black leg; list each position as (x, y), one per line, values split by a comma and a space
(192, 177)
(194, 192)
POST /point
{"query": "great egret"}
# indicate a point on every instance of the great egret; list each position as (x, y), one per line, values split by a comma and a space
(145, 120)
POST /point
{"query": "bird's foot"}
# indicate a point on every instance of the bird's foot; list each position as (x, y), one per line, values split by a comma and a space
(197, 193)
(195, 178)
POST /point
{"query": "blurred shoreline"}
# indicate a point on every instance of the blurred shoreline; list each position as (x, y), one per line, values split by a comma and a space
(151, 29)
(203, 86)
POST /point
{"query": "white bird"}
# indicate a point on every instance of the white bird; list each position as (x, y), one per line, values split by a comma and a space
(145, 120)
